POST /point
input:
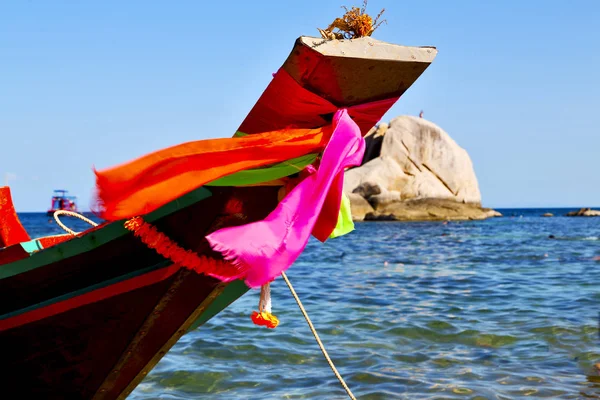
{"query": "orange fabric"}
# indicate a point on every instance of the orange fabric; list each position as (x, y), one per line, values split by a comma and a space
(11, 230)
(145, 184)
(264, 319)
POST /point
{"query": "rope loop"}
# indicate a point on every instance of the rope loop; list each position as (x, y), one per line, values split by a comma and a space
(71, 214)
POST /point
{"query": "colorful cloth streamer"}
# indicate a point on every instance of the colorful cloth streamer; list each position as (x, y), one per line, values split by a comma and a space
(262, 250)
(277, 133)
(145, 184)
(283, 134)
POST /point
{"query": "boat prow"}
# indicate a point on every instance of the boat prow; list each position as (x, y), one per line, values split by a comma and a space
(88, 316)
(356, 71)
(343, 73)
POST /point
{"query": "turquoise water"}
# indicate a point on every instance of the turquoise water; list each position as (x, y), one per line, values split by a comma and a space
(472, 310)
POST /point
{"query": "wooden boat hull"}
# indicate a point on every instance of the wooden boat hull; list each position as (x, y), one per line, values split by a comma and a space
(89, 317)
(114, 307)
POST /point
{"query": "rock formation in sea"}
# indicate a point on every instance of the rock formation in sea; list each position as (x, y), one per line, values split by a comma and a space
(413, 170)
(584, 212)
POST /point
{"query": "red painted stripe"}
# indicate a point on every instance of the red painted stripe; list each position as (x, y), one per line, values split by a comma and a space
(88, 298)
(50, 241)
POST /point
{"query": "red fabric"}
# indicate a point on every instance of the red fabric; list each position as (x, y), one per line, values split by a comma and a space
(11, 230)
(286, 104)
(328, 217)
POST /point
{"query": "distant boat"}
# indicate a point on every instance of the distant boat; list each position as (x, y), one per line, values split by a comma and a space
(60, 201)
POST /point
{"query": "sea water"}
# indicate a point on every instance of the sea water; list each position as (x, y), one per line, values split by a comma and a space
(493, 309)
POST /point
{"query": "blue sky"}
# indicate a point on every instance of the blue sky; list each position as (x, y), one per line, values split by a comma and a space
(86, 84)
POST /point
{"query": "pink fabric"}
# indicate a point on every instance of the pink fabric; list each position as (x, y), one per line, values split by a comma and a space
(263, 249)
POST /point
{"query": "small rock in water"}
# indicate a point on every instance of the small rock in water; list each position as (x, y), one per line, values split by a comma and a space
(584, 212)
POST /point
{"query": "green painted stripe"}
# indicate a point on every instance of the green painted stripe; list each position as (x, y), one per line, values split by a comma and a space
(231, 293)
(92, 240)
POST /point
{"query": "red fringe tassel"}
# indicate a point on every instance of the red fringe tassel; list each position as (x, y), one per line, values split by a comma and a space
(167, 248)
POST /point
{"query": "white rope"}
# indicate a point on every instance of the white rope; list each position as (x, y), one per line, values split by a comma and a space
(71, 214)
(264, 303)
(316, 335)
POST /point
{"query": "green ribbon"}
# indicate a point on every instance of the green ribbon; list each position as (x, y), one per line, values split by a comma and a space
(260, 175)
(344, 222)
